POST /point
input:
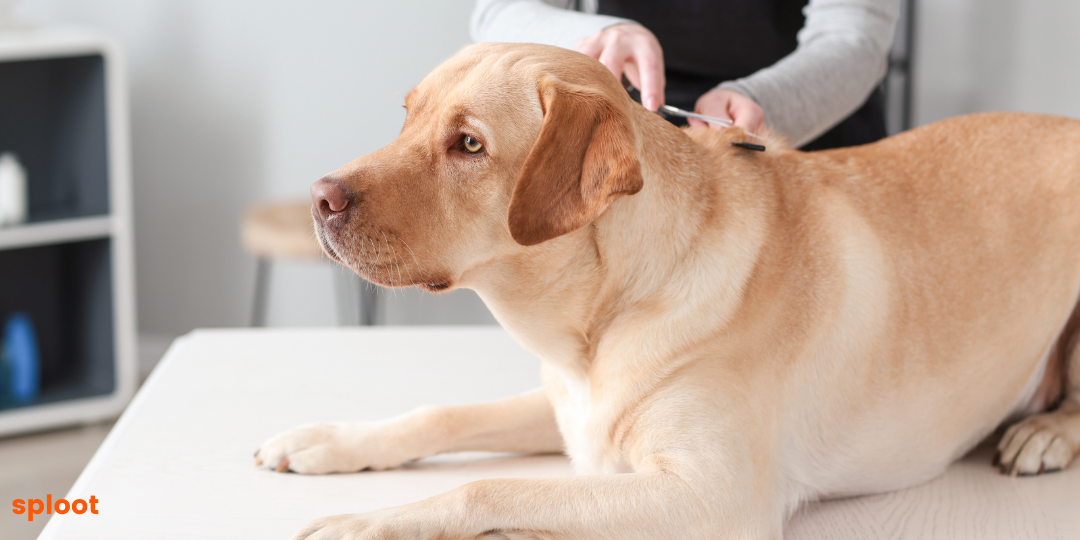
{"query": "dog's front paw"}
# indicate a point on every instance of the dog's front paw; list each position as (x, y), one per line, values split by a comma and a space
(1037, 444)
(383, 525)
(332, 448)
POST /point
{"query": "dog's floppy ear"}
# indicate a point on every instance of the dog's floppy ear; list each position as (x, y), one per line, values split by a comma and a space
(582, 160)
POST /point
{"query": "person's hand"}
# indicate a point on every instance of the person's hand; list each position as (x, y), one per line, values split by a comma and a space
(633, 50)
(731, 105)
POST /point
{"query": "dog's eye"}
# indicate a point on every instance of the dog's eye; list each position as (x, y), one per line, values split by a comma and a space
(471, 145)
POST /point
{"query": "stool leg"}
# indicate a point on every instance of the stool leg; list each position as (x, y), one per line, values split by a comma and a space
(262, 286)
(345, 297)
(369, 304)
(357, 300)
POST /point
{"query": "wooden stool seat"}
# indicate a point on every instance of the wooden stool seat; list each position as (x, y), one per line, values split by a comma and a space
(285, 230)
(280, 230)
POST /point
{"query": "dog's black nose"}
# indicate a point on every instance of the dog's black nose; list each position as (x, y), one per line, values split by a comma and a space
(328, 197)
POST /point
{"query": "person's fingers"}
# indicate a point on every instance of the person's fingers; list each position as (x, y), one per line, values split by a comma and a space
(694, 122)
(714, 105)
(630, 69)
(650, 82)
(650, 67)
(729, 104)
(747, 114)
(632, 50)
(592, 45)
(614, 56)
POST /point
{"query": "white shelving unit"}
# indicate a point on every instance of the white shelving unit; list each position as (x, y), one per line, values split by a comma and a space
(63, 111)
(55, 232)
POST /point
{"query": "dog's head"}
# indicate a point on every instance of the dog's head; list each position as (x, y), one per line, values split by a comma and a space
(504, 147)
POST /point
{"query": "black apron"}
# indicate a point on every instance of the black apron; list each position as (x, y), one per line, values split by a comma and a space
(707, 42)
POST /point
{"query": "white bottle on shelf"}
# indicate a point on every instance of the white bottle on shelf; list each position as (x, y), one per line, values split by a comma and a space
(13, 204)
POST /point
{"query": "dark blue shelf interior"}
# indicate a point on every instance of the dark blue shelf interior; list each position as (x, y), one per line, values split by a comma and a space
(52, 116)
(66, 290)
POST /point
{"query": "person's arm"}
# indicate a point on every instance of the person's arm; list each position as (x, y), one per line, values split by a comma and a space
(842, 55)
(622, 45)
(534, 21)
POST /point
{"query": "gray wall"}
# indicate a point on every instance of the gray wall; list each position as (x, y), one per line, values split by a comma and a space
(235, 101)
(983, 55)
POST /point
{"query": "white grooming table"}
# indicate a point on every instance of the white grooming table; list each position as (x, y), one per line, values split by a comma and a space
(178, 464)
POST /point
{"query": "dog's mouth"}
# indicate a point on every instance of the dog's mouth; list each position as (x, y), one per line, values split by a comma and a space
(389, 273)
(326, 246)
(435, 287)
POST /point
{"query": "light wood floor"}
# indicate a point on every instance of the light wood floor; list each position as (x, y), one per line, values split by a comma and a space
(33, 466)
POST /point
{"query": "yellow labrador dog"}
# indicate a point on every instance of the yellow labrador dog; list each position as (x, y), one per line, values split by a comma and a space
(725, 333)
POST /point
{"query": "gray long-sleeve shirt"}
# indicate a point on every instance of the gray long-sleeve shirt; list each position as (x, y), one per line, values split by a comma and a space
(842, 55)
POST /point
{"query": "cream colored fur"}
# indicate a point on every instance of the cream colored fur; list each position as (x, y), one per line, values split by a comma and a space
(746, 332)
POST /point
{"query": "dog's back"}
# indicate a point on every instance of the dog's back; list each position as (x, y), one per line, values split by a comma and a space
(949, 258)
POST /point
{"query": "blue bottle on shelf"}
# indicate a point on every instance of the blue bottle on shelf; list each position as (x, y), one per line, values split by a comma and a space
(20, 362)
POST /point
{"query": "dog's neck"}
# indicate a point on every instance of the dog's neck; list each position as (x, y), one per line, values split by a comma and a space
(646, 257)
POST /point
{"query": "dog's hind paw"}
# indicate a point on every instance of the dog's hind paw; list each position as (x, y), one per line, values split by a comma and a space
(1040, 444)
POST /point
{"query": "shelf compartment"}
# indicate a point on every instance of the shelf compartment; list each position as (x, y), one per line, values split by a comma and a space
(66, 290)
(52, 116)
(54, 232)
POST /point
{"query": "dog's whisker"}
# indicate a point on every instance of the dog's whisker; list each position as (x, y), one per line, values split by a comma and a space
(378, 256)
(397, 263)
(389, 265)
(416, 261)
(393, 259)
